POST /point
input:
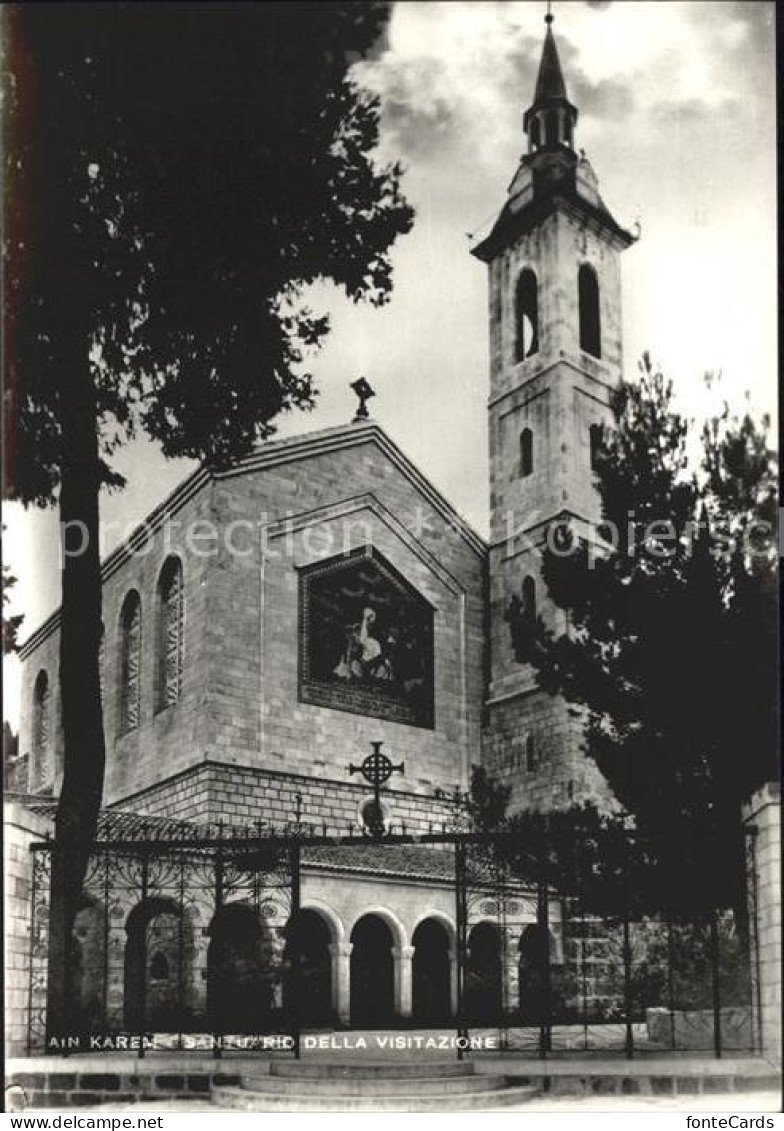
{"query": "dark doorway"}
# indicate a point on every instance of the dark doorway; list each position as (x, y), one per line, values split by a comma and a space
(240, 972)
(158, 960)
(430, 975)
(483, 986)
(372, 974)
(533, 974)
(307, 947)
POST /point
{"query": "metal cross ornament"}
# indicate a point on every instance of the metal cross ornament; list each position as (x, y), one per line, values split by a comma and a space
(377, 769)
(364, 391)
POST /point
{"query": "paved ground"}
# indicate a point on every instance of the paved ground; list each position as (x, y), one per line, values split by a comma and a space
(753, 1101)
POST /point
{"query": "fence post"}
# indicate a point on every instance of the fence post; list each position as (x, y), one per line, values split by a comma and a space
(182, 1007)
(31, 947)
(755, 997)
(106, 917)
(501, 891)
(543, 929)
(715, 980)
(461, 920)
(143, 945)
(671, 977)
(296, 971)
(217, 1036)
(627, 946)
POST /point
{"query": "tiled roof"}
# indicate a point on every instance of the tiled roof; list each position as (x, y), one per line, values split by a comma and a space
(428, 862)
(387, 860)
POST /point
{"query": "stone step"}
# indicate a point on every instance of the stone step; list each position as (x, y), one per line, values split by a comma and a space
(303, 1070)
(391, 1085)
(239, 1099)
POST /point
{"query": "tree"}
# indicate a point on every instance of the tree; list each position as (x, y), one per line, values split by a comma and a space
(12, 624)
(178, 174)
(671, 647)
(10, 753)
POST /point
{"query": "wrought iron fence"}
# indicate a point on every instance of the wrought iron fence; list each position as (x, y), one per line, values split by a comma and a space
(565, 945)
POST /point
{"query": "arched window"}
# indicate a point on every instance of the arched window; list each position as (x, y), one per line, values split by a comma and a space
(526, 315)
(568, 130)
(130, 661)
(530, 754)
(535, 136)
(526, 452)
(590, 323)
(41, 732)
(595, 441)
(529, 600)
(170, 634)
(551, 127)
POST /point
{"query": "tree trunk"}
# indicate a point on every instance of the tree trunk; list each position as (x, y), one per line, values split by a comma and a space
(80, 632)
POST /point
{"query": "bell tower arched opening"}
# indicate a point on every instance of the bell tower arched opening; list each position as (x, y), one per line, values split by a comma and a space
(590, 318)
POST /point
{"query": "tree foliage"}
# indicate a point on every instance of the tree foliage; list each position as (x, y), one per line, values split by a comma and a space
(12, 623)
(671, 608)
(177, 175)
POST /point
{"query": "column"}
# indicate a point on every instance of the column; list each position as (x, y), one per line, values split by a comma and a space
(197, 998)
(453, 970)
(511, 976)
(402, 957)
(341, 981)
(763, 813)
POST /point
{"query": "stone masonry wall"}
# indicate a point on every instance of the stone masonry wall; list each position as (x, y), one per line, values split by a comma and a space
(311, 511)
(242, 796)
(763, 813)
(21, 828)
(165, 739)
(239, 701)
(562, 774)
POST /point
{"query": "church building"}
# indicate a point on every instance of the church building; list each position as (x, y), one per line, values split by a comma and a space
(269, 626)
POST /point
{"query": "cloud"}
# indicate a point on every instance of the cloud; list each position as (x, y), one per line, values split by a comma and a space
(418, 111)
(690, 112)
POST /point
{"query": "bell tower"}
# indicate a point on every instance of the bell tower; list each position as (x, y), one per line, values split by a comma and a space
(553, 258)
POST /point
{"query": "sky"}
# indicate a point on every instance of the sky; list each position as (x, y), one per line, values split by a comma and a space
(677, 115)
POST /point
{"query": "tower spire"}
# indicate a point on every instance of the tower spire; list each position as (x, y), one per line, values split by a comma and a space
(549, 122)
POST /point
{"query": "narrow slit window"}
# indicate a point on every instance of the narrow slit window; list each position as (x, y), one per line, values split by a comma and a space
(526, 452)
(529, 600)
(595, 444)
(530, 754)
(41, 732)
(170, 634)
(130, 662)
